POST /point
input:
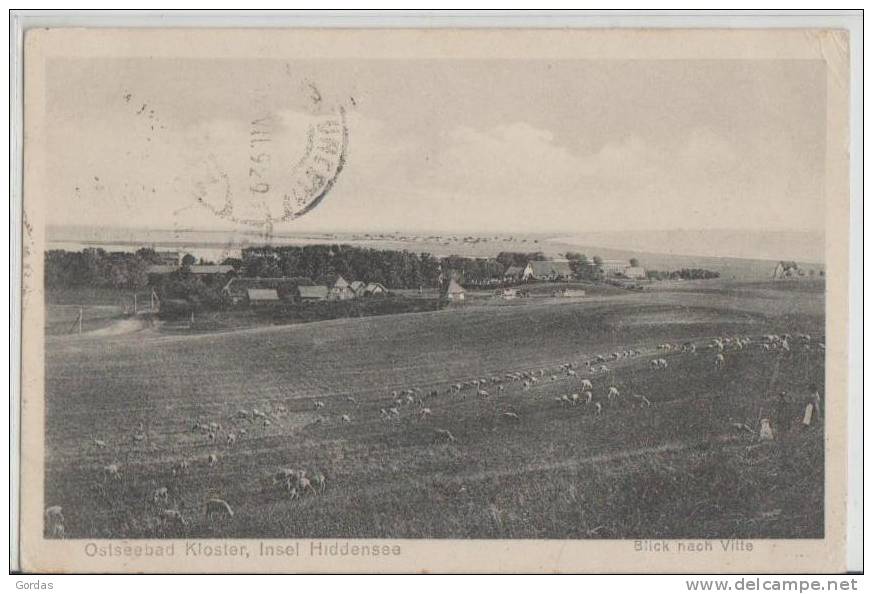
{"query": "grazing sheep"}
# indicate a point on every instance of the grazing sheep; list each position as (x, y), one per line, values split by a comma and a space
(587, 385)
(112, 471)
(231, 438)
(571, 373)
(598, 408)
(319, 404)
(511, 415)
(352, 399)
(766, 432)
(346, 419)
(174, 515)
(574, 398)
(241, 414)
(500, 388)
(180, 468)
(425, 412)
(642, 399)
(283, 475)
(589, 396)
(612, 393)
(482, 393)
(139, 437)
(160, 495)
(212, 460)
(319, 482)
(304, 484)
(98, 442)
(719, 361)
(217, 506)
(445, 434)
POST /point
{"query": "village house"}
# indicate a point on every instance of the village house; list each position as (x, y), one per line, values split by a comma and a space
(518, 273)
(339, 288)
(453, 291)
(208, 272)
(307, 294)
(636, 272)
(375, 289)
(237, 289)
(358, 288)
(613, 267)
(570, 293)
(168, 258)
(262, 296)
(552, 270)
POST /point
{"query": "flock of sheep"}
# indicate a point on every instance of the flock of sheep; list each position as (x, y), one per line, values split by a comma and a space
(296, 483)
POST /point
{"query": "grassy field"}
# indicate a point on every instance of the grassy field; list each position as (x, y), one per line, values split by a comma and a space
(679, 468)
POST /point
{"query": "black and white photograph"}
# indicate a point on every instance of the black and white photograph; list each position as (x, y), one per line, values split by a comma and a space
(336, 293)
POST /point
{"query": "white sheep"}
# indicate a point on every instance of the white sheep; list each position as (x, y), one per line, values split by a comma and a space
(112, 471)
(587, 385)
(612, 393)
(212, 460)
(346, 419)
(174, 515)
(719, 361)
(217, 506)
(319, 481)
(160, 495)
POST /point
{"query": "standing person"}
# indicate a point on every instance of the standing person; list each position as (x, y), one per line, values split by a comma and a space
(783, 416)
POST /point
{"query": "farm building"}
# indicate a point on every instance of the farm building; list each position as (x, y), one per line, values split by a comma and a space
(635, 272)
(208, 273)
(358, 288)
(570, 293)
(375, 289)
(454, 291)
(613, 267)
(339, 288)
(312, 293)
(168, 258)
(262, 296)
(237, 289)
(551, 270)
(518, 273)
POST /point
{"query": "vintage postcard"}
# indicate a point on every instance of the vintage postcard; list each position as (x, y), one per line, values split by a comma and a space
(507, 300)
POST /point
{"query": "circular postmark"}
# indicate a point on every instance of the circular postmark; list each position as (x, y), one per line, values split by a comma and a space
(281, 167)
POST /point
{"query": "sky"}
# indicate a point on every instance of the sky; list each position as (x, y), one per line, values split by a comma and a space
(443, 145)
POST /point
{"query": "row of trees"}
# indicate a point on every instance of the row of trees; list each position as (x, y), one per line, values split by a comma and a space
(684, 274)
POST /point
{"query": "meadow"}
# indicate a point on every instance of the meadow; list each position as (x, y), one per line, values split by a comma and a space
(686, 466)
